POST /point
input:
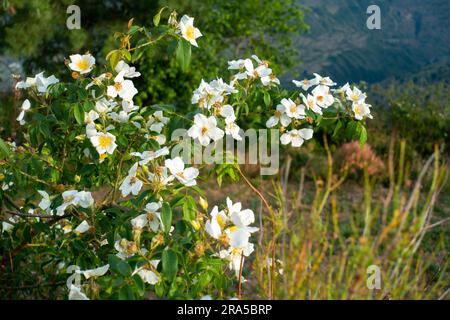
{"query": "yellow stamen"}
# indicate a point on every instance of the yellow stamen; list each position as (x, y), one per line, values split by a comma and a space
(118, 86)
(104, 141)
(190, 33)
(293, 109)
(82, 65)
(220, 221)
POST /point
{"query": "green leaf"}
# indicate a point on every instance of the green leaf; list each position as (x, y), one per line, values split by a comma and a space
(5, 151)
(159, 289)
(78, 112)
(183, 54)
(119, 265)
(126, 293)
(114, 58)
(189, 209)
(133, 30)
(337, 128)
(351, 130)
(139, 284)
(267, 99)
(166, 216)
(169, 264)
(88, 106)
(157, 17)
(126, 54)
(362, 137)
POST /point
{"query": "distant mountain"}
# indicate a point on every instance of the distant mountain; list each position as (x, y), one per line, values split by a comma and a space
(414, 40)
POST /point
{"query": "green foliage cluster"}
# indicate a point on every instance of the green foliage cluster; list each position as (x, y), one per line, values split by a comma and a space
(231, 29)
(418, 113)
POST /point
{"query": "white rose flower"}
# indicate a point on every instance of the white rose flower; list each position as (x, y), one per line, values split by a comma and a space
(205, 129)
(82, 63)
(279, 116)
(296, 137)
(104, 142)
(26, 105)
(293, 110)
(82, 227)
(323, 96)
(148, 156)
(129, 72)
(185, 176)
(97, 272)
(131, 184)
(188, 31)
(45, 202)
(123, 88)
(306, 83)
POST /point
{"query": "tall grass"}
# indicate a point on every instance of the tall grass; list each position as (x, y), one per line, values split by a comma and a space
(325, 248)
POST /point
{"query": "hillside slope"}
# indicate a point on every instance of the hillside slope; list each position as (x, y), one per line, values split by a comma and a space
(414, 34)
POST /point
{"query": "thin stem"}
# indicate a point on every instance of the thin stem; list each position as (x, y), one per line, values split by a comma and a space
(241, 266)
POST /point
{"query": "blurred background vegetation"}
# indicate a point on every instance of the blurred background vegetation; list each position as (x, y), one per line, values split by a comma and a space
(405, 66)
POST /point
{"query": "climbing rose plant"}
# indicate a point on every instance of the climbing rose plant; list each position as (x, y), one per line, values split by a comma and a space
(90, 183)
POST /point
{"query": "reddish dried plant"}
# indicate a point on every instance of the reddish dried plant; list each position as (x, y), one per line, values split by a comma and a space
(351, 157)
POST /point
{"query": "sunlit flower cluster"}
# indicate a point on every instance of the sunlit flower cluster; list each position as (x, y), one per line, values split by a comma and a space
(317, 96)
(75, 290)
(39, 85)
(146, 181)
(232, 228)
(246, 69)
(360, 108)
(212, 99)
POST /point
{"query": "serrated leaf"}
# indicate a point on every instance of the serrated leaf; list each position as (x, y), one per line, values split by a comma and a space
(78, 112)
(169, 264)
(166, 216)
(183, 54)
(157, 17)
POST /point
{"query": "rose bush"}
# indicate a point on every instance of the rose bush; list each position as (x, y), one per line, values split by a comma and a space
(91, 188)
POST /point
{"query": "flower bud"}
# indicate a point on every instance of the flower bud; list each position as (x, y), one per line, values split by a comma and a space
(200, 249)
(157, 240)
(80, 137)
(132, 247)
(75, 75)
(173, 19)
(195, 225)
(203, 203)
(145, 170)
(102, 157)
